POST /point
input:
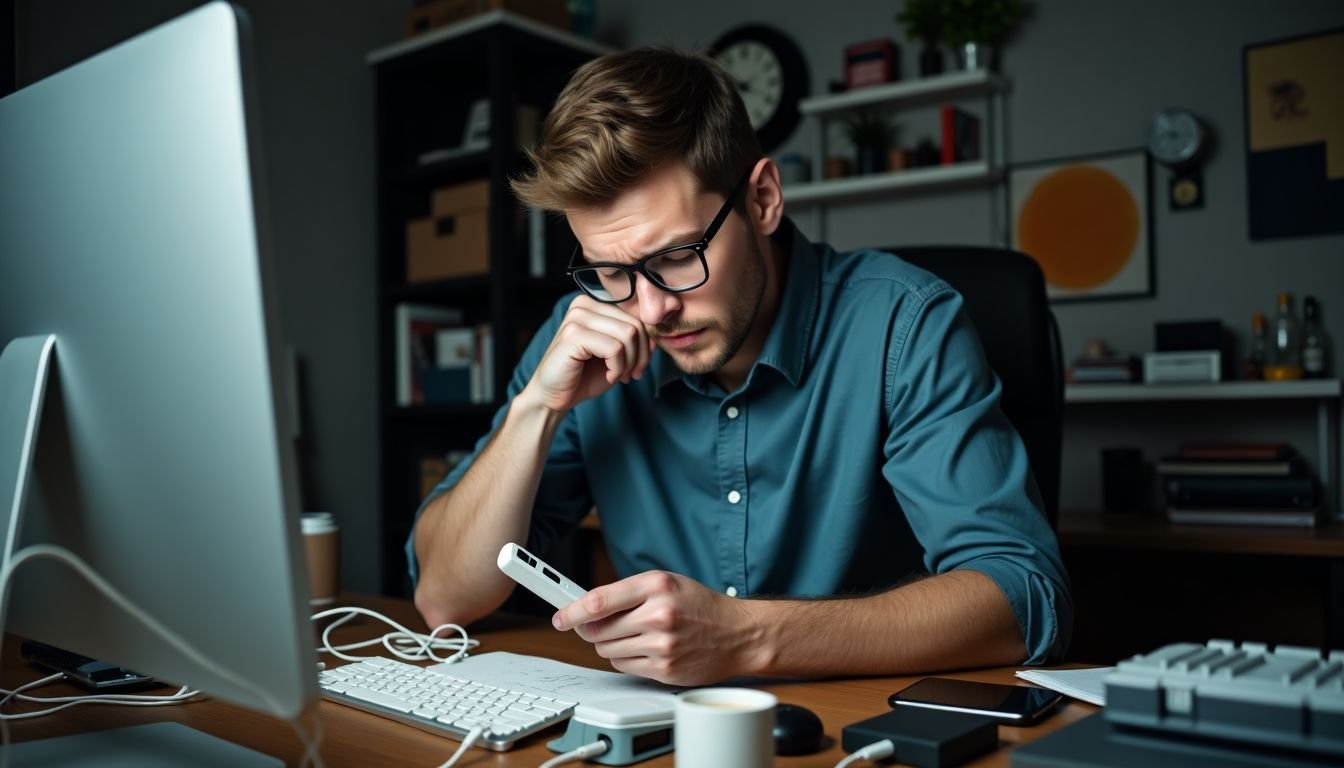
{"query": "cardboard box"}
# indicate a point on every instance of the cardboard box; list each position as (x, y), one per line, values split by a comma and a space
(436, 13)
(454, 240)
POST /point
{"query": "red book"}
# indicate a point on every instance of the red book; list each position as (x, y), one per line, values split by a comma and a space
(1237, 451)
(961, 136)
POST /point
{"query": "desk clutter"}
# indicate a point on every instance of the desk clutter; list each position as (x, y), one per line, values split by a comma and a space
(1216, 703)
(1279, 347)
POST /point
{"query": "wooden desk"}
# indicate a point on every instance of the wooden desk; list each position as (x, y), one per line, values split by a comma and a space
(355, 738)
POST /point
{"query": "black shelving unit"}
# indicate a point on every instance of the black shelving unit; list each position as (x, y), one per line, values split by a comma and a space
(424, 88)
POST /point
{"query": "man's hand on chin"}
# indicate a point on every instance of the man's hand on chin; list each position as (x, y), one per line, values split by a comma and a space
(668, 628)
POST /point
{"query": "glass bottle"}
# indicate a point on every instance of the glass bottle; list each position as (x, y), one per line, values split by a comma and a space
(1313, 340)
(1255, 358)
(1286, 362)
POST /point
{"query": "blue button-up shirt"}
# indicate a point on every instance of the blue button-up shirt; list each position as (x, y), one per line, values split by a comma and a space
(865, 447)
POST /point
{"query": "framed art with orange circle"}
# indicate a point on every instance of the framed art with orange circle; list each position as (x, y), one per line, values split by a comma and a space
(1088, 222)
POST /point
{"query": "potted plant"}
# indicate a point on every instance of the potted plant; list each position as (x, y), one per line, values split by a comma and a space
(923, 21)
(870, 132)
(972, 27)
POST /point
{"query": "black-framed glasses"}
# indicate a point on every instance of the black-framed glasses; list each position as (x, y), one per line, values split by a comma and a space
(675, 269)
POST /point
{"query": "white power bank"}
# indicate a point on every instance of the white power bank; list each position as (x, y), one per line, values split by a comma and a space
(532, 572)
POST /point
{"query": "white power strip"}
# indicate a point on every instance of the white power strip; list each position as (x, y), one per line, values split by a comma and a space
(543, 580)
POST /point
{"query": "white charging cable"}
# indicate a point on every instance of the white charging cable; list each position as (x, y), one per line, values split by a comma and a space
(875, 751)
(65, 702)
(592, 749)
(75, 563)
(468, 741)
(403, 643)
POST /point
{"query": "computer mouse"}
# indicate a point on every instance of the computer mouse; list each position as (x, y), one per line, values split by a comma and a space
(798, 730)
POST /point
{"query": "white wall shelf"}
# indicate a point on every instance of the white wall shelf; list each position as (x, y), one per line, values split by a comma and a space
(976, 173)
(925, 93)
(1230, 390)
(906, 93)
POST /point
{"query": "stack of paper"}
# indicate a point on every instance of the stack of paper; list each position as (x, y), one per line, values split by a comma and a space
(1086, 684)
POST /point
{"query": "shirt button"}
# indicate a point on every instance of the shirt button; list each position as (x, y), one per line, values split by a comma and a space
(731, 591)
(734, 497)
(732, 411)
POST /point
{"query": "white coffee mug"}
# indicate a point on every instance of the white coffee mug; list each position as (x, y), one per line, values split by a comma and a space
(725, 726)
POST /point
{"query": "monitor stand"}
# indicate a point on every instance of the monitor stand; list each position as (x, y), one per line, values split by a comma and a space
(25, 366)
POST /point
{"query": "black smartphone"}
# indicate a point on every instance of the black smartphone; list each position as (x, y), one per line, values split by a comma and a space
(89, 674)
(1014, 704)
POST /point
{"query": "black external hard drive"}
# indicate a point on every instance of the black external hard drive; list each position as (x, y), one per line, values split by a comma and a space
(926, 738)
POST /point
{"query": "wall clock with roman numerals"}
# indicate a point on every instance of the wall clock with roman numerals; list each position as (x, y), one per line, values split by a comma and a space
(771, 76)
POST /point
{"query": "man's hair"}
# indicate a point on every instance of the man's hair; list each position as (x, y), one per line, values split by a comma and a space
(623, 114)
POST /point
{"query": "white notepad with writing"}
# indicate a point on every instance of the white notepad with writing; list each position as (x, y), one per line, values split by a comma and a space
(552, 678)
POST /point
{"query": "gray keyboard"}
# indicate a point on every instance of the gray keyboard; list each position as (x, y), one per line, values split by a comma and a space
(440, 703)
(1287, 697)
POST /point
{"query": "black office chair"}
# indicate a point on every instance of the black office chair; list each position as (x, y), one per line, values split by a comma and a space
(1004, 293)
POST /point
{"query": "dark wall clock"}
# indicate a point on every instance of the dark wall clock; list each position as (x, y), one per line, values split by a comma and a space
(771, 76)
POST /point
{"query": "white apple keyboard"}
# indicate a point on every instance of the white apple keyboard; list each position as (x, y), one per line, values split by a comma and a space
(440, 703)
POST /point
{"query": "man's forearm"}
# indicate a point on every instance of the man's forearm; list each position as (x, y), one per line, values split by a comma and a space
(460, 533)
(957, 619)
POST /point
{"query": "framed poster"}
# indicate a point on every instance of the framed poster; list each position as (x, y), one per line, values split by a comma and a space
(1087, 222)
(1294, 109)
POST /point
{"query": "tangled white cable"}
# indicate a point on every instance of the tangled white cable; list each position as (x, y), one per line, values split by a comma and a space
(403, 643)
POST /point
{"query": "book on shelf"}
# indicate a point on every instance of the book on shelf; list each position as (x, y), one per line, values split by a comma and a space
(483, 365)
(1111, 369)
(416, 328)
(1241, 491)
(1267, 516)
(961, 136)
(1179, 465)
(1237, 450)
(536, 242)
(448, 380)
(462, 369)
(1101, 375)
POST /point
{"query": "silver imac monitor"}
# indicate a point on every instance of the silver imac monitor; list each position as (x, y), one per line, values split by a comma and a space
(142, 426)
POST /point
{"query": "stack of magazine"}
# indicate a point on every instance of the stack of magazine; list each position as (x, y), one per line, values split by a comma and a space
(1105, 369)
(1239, 484)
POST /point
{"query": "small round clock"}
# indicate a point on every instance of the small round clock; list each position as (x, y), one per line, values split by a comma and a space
(1176, 137)
(771, 76)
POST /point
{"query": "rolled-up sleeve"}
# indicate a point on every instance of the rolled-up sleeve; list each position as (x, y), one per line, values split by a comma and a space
(563, 496)
(960, 471)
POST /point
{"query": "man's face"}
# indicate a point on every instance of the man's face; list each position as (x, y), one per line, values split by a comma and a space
(701, 329)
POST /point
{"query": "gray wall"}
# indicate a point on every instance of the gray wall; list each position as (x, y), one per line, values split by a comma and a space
(317, 135)
(1086, 76)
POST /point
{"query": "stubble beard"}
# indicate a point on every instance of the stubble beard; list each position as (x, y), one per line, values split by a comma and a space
(735, 328)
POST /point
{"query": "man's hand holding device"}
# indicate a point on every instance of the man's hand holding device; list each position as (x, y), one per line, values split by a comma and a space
(658, 625)
(666, 627)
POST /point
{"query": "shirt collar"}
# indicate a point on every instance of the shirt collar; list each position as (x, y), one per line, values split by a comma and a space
(786, 346)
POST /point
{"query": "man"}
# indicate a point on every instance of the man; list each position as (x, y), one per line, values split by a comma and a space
(797, 456)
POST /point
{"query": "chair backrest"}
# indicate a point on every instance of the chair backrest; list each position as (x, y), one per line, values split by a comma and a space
(1004, 294)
